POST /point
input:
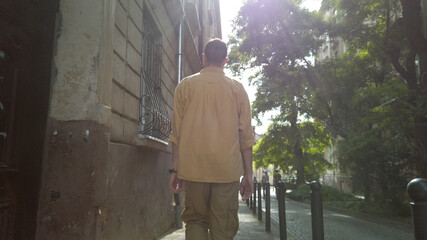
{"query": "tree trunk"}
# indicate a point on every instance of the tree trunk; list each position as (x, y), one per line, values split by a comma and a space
(299, 164)
(413, 25)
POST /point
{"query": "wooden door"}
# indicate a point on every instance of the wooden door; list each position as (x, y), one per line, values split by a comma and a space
(26, 44)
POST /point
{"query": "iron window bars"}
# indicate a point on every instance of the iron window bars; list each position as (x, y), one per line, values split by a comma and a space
(155, 120)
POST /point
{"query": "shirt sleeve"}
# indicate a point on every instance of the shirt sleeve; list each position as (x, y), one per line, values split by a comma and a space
(246, 134)
(178, 104)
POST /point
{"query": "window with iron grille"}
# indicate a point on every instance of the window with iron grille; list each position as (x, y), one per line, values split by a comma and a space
(155, 120)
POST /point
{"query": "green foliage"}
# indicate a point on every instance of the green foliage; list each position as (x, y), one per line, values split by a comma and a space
(335, 198)
(301, 193)
(276, 148)
(329, 194)
(371, 100)
(386, 37)
(277, 37)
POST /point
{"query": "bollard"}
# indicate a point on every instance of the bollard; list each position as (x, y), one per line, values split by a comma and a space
(316, 211)
(417, 190)
(259, 202)
(267, 209)
(247, 202)
(282, 211)
(250, 202)
(254, 202)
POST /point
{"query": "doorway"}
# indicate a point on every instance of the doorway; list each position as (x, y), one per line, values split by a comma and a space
(26, 48)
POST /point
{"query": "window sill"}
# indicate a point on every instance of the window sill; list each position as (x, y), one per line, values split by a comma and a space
(153, 143)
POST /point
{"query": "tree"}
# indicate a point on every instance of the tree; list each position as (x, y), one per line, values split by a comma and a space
(373, 98)
(374, 108)
(276, 148)
(390, 32)
(377, 114)
(278, 36)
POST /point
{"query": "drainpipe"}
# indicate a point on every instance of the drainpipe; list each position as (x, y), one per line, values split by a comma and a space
(178, 207)
(180, 43)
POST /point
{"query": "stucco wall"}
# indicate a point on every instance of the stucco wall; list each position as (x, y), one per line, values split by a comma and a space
(73, 190)
(139, 201)
(100, 181)
(75, 86)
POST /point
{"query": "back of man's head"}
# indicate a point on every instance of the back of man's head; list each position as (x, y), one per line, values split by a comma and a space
(215, 52)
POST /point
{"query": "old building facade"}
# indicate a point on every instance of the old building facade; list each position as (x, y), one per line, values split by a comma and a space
(86, 153)
(334, 177)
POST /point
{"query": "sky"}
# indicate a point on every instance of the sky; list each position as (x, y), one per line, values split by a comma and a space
(229, 10)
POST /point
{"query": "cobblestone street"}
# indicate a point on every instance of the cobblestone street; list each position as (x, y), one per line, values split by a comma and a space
(337, 226)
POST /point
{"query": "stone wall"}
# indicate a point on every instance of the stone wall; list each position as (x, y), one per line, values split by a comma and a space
(99, 180)
(74, 188)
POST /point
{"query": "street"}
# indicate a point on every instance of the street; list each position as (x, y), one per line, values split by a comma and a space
(337, 226)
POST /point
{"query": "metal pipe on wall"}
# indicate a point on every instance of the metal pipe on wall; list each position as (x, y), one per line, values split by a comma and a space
(180, 40)
(180, 43)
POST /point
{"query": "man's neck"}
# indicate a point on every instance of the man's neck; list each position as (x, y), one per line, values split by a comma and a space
(212, 66)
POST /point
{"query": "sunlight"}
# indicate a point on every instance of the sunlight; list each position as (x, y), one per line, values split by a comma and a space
(229, 11)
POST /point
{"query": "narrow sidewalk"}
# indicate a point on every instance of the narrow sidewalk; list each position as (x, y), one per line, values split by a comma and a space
(249, 228)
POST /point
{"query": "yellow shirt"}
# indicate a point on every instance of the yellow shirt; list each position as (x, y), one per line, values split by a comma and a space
(211, 126)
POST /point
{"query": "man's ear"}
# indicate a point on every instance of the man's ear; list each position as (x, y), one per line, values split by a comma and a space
(224, 62)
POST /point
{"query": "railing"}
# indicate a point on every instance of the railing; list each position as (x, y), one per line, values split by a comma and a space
(316, 208)
(417, 190)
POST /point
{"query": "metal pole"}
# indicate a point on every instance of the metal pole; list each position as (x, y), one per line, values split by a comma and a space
(316, 211)
(259, 203)
(250, 202)
(267, 209)
(180, 43)
(254, 202)
(417, 190)
(282, 211)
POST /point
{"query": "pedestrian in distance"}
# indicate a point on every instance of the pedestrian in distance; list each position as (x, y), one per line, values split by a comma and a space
(212, 141)
(264, 180)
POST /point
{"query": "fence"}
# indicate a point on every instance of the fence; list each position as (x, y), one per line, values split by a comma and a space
(417, 190)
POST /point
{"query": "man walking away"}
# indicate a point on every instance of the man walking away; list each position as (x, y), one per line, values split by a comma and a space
(212, 143)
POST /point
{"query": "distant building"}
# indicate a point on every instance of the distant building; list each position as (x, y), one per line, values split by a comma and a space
(334, 178)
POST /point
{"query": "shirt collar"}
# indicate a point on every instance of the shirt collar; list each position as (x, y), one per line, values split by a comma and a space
(212, 69)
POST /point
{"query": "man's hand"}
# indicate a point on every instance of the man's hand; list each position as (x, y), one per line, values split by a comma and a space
(175, 183)
(246, 187)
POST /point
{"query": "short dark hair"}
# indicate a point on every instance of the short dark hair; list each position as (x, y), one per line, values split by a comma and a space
(215, 51)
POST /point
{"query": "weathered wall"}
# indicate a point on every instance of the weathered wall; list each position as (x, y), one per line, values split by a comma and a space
(73, 191)
(73, 186)
(138, 201)
(126, 70)
(99, 180)
(75, 86)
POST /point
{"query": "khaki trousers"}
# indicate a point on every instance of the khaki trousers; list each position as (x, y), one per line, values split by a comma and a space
(210, 210)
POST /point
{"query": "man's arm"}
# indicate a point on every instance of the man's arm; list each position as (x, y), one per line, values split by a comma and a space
(246, 186)
(175, 184)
